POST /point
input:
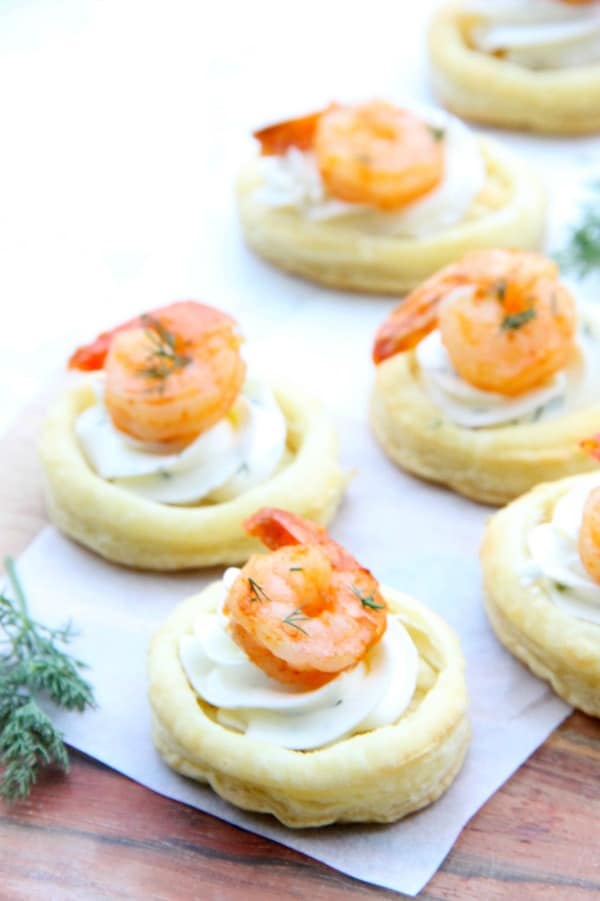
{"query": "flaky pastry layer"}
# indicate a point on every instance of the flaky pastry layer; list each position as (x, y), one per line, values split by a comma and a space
(128, 529)
(495, 91)
(558, 647)
(378, 776)
(509, 212)
(492, 465)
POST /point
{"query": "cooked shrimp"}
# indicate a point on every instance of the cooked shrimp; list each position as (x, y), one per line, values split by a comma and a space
(171, 374)
(307, 611)
(374, 154)
(378, 154)
(589, 535)
(506, 321)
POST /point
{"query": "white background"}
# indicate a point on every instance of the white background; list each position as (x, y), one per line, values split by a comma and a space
(123, 123)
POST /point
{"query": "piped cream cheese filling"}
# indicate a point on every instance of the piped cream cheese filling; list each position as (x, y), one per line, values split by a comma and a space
(292, 181)
(373, 694)
(537, 34)
(554, 555)
(242, 450)
(469, 407)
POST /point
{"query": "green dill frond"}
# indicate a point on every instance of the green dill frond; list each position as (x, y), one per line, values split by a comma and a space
(516, 321)
(163, 358)
(294, 618)
(367, 600)
(581, 254)
(32, 662)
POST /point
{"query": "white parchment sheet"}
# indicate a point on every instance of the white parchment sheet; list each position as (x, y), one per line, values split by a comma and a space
(419, 538)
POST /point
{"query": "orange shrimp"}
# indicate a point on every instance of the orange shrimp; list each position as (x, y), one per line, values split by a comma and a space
(508, 331)
(374, 153)
(589, 535)
(170, 374)
(307, 611)
(378, 154)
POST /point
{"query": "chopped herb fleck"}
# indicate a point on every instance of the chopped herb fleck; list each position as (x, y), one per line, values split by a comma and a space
(257, 591)
(368, 601)
(500, 289)
(437, 133)
(163, 358)
(515, 321)
(295, 617)
(296, 569)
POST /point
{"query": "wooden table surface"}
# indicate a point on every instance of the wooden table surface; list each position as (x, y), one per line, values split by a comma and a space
(96, 834)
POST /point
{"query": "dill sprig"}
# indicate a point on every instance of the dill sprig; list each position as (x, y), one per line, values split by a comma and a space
(163, 358)
(581, 254)
(367, 600)
(514, 321)
(31, 662)
(257, 591)
(295, 617)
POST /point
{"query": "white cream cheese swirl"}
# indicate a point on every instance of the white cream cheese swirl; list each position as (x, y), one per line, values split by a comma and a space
(555, 559)
(373, 694)
(241, 451)
(537, 34)
(292, 181)
(472, 408)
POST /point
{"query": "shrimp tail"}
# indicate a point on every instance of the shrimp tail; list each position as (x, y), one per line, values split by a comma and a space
(91, 357)
(275, 139)
(407, 325)
(416, 316)
(280, 528)
(591, 446)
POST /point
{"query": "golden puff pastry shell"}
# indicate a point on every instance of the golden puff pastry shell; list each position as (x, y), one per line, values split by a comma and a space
(558, 647)
(128, 529)
(492, 465)
(510, 211)
(378, 776)
(494, 91)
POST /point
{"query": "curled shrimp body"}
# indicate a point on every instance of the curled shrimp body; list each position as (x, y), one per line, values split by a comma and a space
(377, 154)
(589, 535)
(308, 611)
(374, 153)
(171, 374)
(506, 321)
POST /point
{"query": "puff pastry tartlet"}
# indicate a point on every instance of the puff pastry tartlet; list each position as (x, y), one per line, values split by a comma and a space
(300, 688)
(374, 198)
(156, 460)
(541, 567)
(486, 379)
(533, 65)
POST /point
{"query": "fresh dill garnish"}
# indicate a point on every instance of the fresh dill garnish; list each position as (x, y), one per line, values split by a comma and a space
(295, 617)
(163, 357)
(437, 133)
(500, 289)
(32, 662)
(515, 321)
(258, 592)
(581, 254)
(367, 600)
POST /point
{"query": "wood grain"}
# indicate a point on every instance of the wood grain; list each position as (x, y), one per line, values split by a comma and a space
(97, 835)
